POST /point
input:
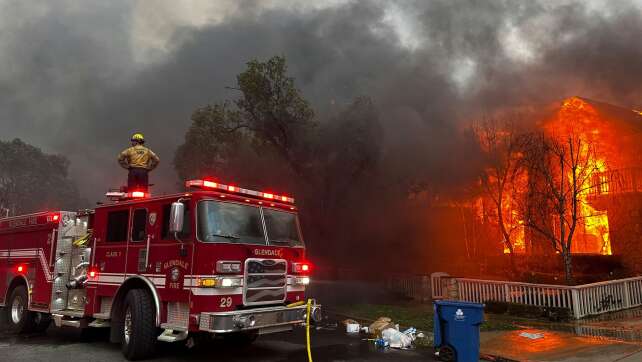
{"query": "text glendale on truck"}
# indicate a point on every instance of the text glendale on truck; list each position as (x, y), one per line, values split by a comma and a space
(215, 260)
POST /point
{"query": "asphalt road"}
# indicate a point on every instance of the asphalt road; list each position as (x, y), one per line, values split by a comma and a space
(69, 345)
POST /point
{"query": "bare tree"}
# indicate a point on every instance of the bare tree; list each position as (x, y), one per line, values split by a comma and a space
(501, 179)
(561, 170)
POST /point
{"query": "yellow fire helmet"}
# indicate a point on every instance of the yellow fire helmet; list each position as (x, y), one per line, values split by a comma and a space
(138, 137)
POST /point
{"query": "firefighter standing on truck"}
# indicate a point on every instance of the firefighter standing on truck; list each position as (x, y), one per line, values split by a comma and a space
(139, 160)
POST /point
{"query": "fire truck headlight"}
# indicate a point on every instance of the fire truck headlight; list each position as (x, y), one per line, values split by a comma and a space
(230, 282)
(302, 280)
(220, 282)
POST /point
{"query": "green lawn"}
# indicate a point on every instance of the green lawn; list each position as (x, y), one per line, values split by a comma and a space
(419, 316)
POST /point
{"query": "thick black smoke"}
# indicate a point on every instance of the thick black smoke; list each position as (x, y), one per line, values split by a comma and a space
(73, 81)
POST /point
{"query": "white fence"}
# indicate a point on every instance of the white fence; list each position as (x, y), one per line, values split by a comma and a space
(581, 300)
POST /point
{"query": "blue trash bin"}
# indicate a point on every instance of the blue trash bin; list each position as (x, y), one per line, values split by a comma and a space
(456, 330)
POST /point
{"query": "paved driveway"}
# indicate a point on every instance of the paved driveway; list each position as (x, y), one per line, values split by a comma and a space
(66, 345)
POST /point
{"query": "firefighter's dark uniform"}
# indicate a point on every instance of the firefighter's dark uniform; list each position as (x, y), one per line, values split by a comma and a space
(139, 160)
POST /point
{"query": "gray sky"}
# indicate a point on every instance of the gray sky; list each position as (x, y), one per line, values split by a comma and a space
(78, 77)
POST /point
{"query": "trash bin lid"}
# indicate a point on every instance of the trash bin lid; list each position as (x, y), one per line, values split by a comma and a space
(456, 303)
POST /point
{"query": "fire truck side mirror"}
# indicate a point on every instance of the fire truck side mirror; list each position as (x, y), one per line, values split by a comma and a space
(176, 217)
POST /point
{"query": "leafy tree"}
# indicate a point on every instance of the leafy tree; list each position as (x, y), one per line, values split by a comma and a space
(272, 129)
(31, 180)
(209, 144)
(274, 111)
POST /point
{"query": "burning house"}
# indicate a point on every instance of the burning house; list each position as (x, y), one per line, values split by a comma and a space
(609, 196)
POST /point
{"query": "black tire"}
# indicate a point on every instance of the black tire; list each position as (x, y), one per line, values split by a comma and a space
(447, 354)
(241, 339)
(19, 318)
(138, 333)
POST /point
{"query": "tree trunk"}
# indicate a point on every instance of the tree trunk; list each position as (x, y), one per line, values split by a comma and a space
(568, 268)
(513, 266)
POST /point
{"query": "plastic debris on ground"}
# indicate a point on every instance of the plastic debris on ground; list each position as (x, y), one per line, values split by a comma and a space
(353, 327)
(532, 335)
(379, 325)
(381, 343)
(397, 339)
(386, 334)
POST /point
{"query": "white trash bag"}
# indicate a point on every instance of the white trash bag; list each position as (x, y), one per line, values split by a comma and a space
(396, 339)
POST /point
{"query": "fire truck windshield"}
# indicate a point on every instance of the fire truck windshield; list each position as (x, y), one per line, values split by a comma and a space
(228, 222)
(282, 227)
(223, 222)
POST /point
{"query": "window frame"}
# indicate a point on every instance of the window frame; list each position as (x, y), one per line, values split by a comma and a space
(131, 227)
(127, 226)
(187, 220)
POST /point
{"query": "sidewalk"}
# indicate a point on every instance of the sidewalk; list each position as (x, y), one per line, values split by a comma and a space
(558, 346)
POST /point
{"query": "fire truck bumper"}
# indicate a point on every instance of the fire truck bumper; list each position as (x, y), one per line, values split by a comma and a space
(265, 320)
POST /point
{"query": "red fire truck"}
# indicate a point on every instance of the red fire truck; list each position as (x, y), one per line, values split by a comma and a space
(215, 260)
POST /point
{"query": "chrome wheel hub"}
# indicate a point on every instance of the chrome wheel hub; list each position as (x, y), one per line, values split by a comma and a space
(127, 329)
(17, 309)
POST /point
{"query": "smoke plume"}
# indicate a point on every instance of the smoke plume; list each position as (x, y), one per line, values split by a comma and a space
(79, 78)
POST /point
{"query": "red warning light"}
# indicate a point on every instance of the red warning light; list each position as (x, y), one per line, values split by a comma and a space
(55, 217)
(138, 194)
(205, 184)
(301, 268)
(21, 268)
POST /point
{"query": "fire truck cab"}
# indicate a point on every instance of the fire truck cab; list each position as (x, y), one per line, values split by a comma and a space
(215, 260)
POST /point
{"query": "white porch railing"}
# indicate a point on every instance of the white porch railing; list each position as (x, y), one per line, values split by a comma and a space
(581, 300)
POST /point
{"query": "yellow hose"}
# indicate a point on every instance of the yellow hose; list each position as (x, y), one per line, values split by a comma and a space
(307, 329)
(292, 305)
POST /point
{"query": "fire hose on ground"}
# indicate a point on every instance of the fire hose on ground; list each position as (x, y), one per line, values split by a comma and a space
(307, 324)
(307, 329)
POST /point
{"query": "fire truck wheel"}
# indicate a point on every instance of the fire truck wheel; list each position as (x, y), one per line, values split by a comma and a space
(139, 329)
(19, 319)
(241, 338)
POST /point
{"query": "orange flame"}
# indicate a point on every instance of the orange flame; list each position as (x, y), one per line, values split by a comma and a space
(579, 117)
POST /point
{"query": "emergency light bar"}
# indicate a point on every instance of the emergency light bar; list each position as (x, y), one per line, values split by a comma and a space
(120, 195)
(211, 185)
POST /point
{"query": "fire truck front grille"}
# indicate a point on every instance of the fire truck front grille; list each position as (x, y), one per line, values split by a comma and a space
(260, 281)
(265, 281)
